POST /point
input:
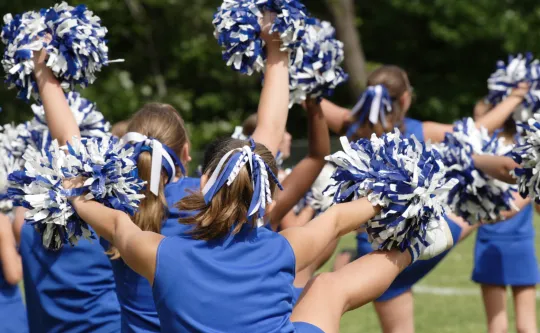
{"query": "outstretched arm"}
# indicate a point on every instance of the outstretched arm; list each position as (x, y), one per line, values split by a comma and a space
(9, 257)
(137, 248)
(274, 102)
(292, 220)
(304, 173)
(498, 167)
(309, 241)
(60, 119)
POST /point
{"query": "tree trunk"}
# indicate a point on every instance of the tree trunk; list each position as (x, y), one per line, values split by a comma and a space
(355, 61)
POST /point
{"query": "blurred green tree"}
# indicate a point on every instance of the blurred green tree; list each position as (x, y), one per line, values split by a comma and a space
(449, 47)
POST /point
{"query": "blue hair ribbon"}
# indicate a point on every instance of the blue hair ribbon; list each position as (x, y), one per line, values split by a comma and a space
(162, 157)
(228, 169)
(374, 103)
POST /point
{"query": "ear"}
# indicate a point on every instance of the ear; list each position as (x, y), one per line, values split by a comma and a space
(185, 157)
(204, 180)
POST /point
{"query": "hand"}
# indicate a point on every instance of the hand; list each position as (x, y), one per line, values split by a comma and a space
(498, 167)
(72, 183)
(40, 56)
(272, 40)
(521, 90)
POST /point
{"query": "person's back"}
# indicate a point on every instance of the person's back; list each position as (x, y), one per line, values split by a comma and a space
(134, 292)
(71, 290)
(242, 283)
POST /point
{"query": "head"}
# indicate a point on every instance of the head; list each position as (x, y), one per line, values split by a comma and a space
(399, 89)
(249, 126)
(228, 208)
(120, 128)
(163, 123)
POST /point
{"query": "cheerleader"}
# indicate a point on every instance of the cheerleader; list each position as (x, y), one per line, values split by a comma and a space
(154, 127)
(504, 256)
(395, 306)
(227, 275)
(58, 285)
(12, 313)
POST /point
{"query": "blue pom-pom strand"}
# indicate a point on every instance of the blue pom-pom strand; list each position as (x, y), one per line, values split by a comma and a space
(507, 77)
(315, 72)
(403, 176)
(477, 196)
(77, 49)
(374, 104)
(237, 29)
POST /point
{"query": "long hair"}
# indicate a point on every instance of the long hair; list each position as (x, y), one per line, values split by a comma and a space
(228, 208)
(163, 123)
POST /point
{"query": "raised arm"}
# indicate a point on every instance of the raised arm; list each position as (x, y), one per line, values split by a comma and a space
(137, 248)
(492, 120)
(274, 102)
(309, 241)
(498, 167)
(60, 119)
(9, 257)
(337, 117)
(304, 173)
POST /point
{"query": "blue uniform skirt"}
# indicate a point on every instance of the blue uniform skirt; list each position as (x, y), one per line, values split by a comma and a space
(412, 274)
(300, 327)
(505, 262)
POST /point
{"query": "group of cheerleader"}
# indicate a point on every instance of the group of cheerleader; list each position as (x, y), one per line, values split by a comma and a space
(110, 233)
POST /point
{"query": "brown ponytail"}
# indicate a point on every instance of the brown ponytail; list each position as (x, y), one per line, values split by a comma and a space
(396, 81)
(161, 122)
(228, 208)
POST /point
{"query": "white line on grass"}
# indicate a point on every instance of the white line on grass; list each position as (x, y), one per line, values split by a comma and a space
(446, 291)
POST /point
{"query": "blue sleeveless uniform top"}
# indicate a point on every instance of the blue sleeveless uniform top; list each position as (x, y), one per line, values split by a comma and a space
(520, 226)
(12, 311)
(134, 291)
(71, 290)
(413, 126)
(241, 283)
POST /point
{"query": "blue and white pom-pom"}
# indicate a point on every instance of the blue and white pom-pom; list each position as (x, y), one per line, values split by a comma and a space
(508, 76)
(527, 154)
(110, 172)
(315, 72)
(39, 188)
(76, 52)
(477, 197)
(91, 122)
(316, 197)
(7, 166)
(237, 29)
(110, 178)
(403, 176)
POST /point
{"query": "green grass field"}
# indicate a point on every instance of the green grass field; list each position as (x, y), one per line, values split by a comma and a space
(434, 313)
